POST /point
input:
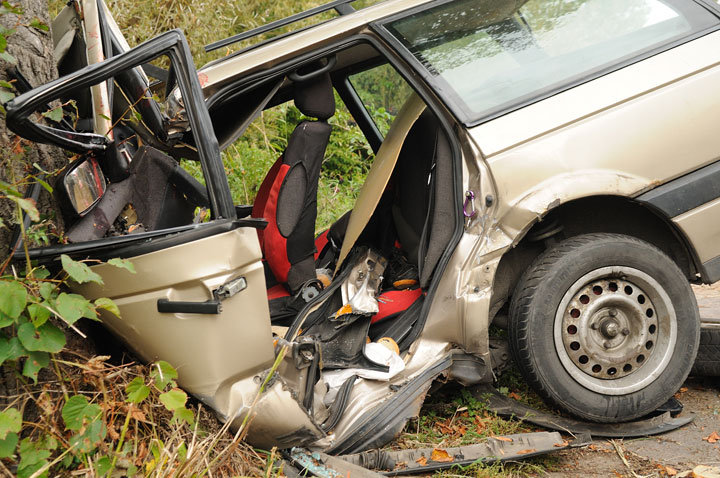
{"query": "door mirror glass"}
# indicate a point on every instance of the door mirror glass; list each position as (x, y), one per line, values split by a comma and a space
(84, 185)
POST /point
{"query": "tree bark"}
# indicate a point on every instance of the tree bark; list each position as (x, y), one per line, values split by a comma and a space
(33, 49)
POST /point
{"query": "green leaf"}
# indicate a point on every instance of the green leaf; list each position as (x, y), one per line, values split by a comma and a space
(10, 421)
(46, 338)
(163, 374)
(8, 58)
(76, 410)
(27, 205)
(46, 290)
(8, 8)
(3, 83)
(107, 304)
(173, 399)
(5, 95)
(86, 441)
(38, 314)
(122, 264)
(182, 452)
(136, 390)
(78, 271)
(5, 320)
(33, 456)
(35, 362)
(184, 415)
(12, 349)
(102, 465)
(36, 23)
(55, 114)
(40, 273)
(3, 44)
(44, 184)
(7, 445)
(13, 298)
(72, 307)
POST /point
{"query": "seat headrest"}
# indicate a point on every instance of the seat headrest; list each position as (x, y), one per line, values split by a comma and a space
(315, 97)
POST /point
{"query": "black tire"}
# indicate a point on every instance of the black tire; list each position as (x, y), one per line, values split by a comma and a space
(548, 303)
(707, 363)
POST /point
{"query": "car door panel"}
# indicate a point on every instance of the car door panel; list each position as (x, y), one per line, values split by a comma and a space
(207, 349)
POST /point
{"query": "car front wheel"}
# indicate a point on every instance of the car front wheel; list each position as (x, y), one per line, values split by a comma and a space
(604, 326)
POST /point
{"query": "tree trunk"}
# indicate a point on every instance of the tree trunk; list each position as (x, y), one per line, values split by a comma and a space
(33, 49)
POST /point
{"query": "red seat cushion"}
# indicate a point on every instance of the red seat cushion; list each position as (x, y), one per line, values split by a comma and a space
(277, 291)
(272, 242)
(393, 301)
(320, 242)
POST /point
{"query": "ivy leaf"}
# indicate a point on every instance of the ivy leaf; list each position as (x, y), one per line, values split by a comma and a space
(5, 95)
(35, 362)
(27, 205)
(8, 8)
(107, 304)
(122, 264)
(136, 390)
(8, 58)
(86, 441)
(38, 314)
(76, 410)
(10, 421)
(163, 374)
(13, 298)
(36, 23)
(71, 307)
(46, 338)
(8, 444)
(173, 399)
(78, 271)
(183, 414)
(55, 114)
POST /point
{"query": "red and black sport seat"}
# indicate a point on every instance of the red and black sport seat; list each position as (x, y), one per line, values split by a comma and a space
(287, 198)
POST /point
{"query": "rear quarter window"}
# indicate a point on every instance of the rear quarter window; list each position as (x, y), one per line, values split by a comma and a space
(486, 57)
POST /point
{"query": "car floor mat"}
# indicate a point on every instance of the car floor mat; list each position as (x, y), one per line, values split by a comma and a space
(662, 421)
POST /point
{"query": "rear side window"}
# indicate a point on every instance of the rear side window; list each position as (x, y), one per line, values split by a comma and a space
(489, 56)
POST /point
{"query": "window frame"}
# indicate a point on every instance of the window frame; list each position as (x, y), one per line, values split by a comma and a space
(470, 118)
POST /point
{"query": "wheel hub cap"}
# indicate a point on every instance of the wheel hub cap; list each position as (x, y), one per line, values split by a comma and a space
(615, 330)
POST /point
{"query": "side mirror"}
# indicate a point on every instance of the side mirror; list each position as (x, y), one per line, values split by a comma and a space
(84, 185)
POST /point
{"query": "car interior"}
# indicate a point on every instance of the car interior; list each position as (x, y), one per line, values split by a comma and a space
(401, 226)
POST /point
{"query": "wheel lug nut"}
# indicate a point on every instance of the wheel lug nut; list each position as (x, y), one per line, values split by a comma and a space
(625, 332)
(612, 312)
(607, 344)
(594, 326)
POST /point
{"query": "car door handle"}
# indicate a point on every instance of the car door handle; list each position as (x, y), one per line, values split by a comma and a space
(180, 307)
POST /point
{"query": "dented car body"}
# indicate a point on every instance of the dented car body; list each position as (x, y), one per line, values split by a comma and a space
(546, 174)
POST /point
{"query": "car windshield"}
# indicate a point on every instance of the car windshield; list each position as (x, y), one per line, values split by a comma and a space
(488, 56)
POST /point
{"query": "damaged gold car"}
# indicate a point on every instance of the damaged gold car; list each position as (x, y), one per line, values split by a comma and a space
(552, 171)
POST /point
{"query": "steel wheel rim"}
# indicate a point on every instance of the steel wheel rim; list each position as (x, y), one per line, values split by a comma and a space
(615, 330)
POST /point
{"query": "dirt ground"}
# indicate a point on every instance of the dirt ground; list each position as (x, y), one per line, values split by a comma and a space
(663, 455)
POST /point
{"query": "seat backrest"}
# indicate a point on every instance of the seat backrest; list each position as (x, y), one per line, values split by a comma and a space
(423, 207)
(287, 198)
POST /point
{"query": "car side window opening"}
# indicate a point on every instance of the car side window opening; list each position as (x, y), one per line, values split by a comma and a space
(383, 92)
(488, 58)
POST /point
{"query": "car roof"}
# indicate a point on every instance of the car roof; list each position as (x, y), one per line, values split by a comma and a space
(220, 72)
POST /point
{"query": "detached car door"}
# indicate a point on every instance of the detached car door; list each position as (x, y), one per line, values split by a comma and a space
(197, 298)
